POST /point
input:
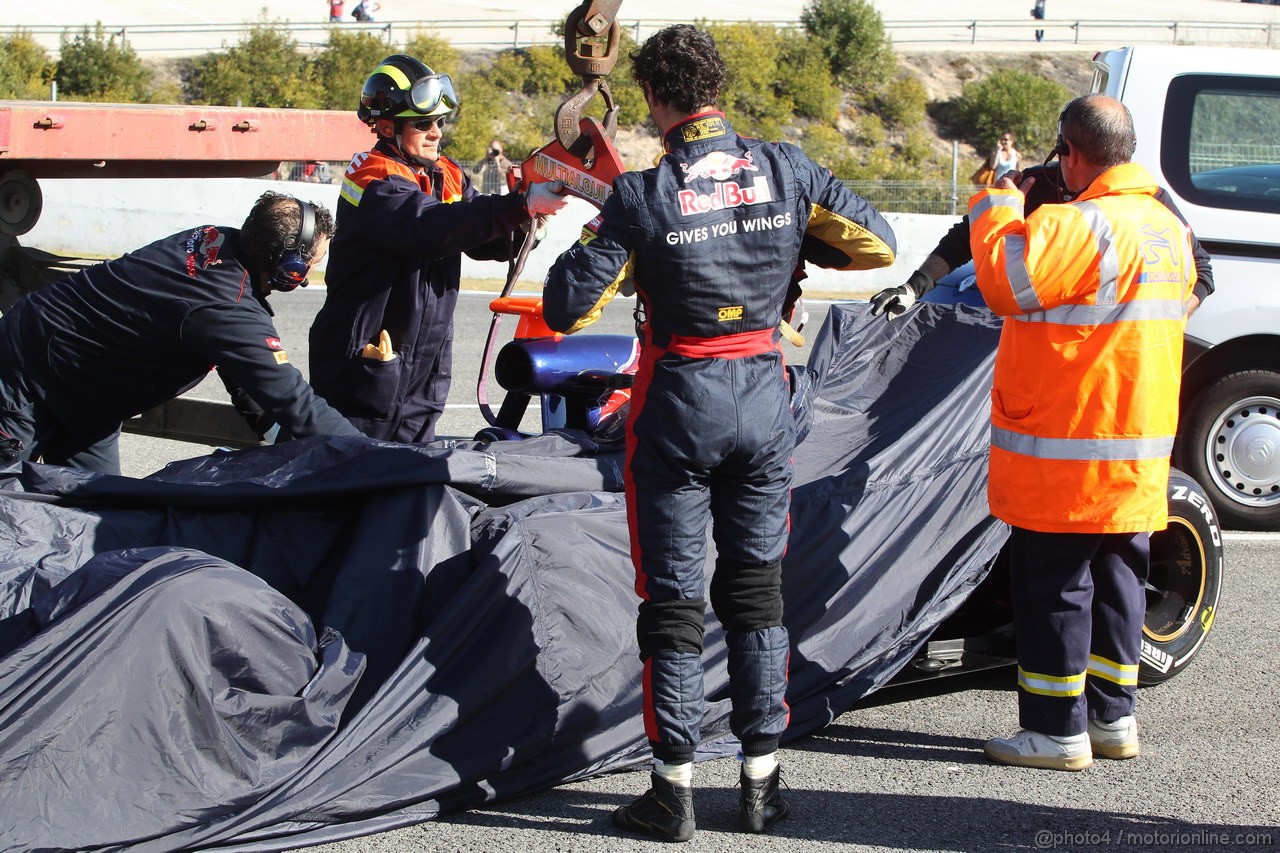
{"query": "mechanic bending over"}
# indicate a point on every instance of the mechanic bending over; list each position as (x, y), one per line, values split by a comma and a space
(101, 345)
(711, 237)
(382, 344)
(1084, 408)
(1040, 185)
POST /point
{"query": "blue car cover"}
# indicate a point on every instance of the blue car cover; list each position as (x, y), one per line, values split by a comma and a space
(330, 637)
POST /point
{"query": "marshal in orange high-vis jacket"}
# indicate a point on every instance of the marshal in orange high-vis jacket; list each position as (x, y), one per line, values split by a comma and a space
(1085, 401)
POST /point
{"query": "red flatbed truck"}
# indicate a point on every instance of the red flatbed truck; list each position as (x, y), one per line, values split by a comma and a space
(61, 139)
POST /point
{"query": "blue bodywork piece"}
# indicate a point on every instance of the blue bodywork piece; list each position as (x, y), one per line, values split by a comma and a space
(958, 287)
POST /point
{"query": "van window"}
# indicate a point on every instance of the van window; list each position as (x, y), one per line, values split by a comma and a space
(1221, 141)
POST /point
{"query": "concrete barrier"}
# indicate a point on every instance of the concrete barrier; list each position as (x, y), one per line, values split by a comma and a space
(106, 218)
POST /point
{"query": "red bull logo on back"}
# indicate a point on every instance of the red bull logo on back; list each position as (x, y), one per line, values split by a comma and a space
(719, 166)
(724, 196)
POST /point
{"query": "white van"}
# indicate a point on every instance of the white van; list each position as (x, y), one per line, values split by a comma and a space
(1208, 128)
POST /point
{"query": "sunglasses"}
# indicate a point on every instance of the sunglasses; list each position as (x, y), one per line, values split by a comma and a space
(425, 124)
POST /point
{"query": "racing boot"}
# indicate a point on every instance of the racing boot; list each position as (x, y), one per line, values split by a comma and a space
(665, 812)
(1116, 740)
(761, 805)
(1048, 752)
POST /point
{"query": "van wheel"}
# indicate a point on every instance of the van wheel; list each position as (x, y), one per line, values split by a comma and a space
(1184, 585)
(1231, 444)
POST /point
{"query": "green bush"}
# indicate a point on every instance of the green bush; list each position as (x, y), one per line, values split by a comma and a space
(806, 78)
(95, 67)
(850, 35)
(627, 94)
(265, 69)
(478, 118)
(783, 83)
(546, 72)
(753, 99)
(512, 99)
(917, 150)
(1012, 100)
(339, 71)
(869, 129)
(531, 71)
(829, 147)
(433, 51)
(25, 68)
(903, 102)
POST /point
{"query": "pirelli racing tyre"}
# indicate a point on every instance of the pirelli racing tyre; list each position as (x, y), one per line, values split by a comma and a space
(1231, 444)
(1184, 585)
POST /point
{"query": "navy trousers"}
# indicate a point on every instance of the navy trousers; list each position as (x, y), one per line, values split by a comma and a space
(1079, 600)
(41, 436)
(710, 440)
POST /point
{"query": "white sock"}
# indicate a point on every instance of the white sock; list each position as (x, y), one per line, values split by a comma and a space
(676, 774)
(759, 766)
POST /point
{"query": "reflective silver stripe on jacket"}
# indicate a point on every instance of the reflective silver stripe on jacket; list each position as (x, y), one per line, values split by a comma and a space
(1108, 262)
(1015, 253)
(1081, 449)
(1099, 315)
(989, 201)
(1015, 269)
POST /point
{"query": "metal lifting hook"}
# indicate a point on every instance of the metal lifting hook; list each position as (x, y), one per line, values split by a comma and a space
(591, 38)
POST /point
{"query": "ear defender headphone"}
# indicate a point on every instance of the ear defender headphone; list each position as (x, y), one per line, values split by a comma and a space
(295, 261)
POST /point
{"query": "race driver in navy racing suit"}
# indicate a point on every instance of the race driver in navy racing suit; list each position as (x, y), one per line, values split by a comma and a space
(382, 344)
(101, 345)
(710, 237)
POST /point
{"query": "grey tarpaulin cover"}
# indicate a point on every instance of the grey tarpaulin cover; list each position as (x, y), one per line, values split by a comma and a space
(327, 638)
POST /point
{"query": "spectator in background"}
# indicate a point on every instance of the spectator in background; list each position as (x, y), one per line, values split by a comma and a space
(999, 162)
(363, 12)
(335, 10)
(1037, 12)
(493, 170)
(311, 172)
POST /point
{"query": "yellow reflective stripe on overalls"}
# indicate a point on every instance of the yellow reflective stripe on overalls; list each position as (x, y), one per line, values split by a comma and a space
(1121, 673)
(1051, 685)
(352, 191)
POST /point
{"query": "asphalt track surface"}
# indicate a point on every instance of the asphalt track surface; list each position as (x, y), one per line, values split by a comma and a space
(904, 769)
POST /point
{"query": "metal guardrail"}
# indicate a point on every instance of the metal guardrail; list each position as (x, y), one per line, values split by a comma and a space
(944, 198)
(477, 33)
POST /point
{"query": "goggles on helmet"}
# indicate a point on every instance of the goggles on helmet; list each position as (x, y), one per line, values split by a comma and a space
(432, 95)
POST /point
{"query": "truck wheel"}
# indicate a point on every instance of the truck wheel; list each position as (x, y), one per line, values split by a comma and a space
(1231, 444)
(1184, 585)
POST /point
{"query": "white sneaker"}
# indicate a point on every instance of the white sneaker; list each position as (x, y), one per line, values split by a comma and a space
(1115, 740)
(1049, 752)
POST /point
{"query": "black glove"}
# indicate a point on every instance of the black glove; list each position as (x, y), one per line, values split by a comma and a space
(896, 300)
(893, 301)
